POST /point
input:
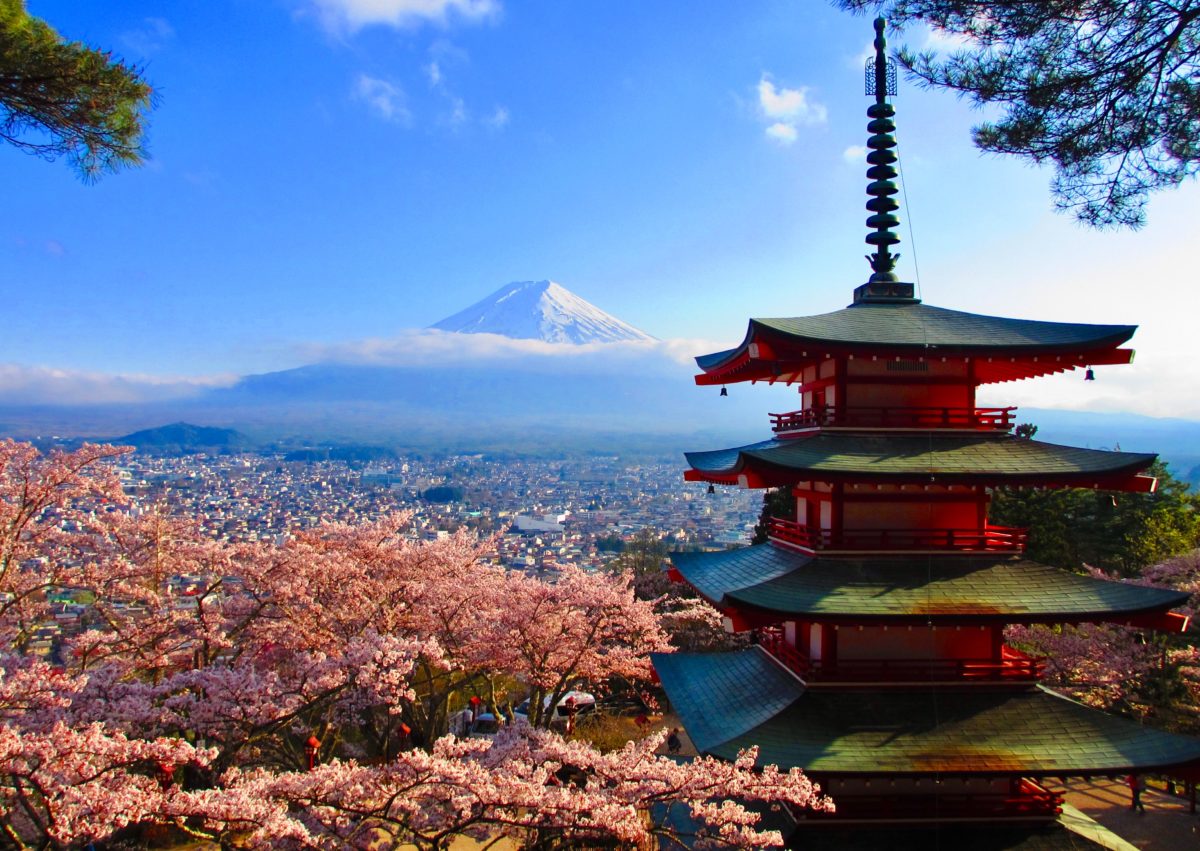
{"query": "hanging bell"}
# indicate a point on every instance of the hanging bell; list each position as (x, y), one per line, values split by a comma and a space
(712, 489)
(1090, 375)
(724, 392)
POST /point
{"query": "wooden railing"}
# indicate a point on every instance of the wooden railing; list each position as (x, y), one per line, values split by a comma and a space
(1014, 666)
(989, 539)
(984, 419)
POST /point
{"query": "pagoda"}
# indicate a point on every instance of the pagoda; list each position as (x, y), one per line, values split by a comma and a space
(877, 610)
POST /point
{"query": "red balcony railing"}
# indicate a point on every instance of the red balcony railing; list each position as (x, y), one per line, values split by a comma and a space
(989, 539)
(1013, 666)
(1026, 800)
(983, 419)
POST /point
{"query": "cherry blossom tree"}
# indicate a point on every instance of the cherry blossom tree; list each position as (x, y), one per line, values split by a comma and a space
(209, 675)
(533, 786)
(1126, 668)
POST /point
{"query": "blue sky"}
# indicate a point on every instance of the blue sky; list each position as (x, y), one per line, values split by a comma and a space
(327, 174)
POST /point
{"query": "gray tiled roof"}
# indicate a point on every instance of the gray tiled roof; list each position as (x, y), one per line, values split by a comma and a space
(722, 700)
(930, 329)
(995, 457)
(947, 587)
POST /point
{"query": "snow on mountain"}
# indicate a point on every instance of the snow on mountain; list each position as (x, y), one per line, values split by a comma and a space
(540, 310)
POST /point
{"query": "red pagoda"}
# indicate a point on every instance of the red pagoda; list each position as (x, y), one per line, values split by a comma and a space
(878, 609)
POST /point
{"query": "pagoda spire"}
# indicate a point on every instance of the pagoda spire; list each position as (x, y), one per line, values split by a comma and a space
(883, 285)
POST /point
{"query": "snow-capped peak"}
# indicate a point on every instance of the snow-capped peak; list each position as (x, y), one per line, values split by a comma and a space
(540, 310)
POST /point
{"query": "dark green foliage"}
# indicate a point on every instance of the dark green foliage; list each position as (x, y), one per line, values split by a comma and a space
(644, 555)
(62, 98)
(777, 502)
(1107, 92)
(1121, 532)
(610, 543)
(443, 493)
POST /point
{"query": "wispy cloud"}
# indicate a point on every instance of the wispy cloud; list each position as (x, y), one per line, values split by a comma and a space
(384, 98)
(457, 115)
(341, 16)
(499, 118)
(782, 132)
(855, 154)
(944, 41)
(786, 110)
(44, 385)
(434, 72)
(151, 36)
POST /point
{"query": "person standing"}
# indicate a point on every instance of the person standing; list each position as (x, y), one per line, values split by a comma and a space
(674, 745)
(1135, 793)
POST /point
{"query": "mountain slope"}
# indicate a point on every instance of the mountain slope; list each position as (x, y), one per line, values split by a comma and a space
(540, 310)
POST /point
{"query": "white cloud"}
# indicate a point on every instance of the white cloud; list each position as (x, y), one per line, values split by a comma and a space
(43, 385)
(352, 15)
(790, 105)
(428, 346)
(783, 133)
(385, 99)
(944, 41)
(786, 110)
(855, 154)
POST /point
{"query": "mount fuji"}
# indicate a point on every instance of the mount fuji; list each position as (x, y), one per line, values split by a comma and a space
(540, 310)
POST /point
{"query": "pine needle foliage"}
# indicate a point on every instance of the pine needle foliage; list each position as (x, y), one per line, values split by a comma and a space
(61, 98)
(1105, 91)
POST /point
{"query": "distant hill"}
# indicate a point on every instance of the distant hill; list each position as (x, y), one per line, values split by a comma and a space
(540, 310)
(185, 438)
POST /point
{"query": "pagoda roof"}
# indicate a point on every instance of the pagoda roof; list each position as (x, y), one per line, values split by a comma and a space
(921, 326)
(945, 588)
(732, 701)
(913, 329)
(926, 458)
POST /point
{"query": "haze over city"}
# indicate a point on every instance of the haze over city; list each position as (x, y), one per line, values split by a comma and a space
(328, 177)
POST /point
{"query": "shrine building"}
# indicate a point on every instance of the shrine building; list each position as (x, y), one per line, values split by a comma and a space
(879, 664)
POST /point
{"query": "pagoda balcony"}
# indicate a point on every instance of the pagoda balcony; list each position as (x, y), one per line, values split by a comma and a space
(991, 539)
(1014, 667)
(971, 419)
(1027, 800)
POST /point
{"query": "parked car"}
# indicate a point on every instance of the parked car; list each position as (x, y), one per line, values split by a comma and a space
(580, 701)
(485, 725)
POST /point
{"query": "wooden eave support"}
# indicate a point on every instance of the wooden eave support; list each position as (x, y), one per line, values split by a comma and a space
(761, 360)
(742, 479)
(1172, 622)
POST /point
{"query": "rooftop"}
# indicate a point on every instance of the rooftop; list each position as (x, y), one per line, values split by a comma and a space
(732, 701)
(946, 588)
(977, 458)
